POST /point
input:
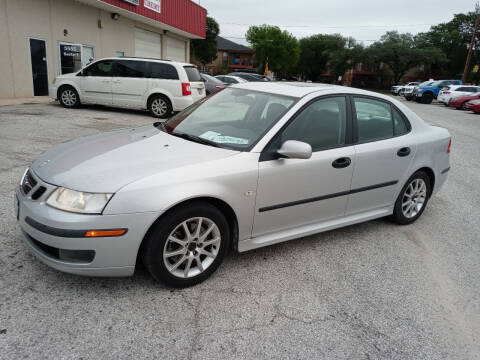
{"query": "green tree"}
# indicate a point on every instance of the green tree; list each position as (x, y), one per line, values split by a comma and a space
(279, 48)
(205, 50)
(453, 38)
(401, 52)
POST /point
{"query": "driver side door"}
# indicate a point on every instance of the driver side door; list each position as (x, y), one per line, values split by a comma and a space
(292, 193)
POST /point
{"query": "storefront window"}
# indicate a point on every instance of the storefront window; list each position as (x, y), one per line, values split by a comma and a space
(74, 57)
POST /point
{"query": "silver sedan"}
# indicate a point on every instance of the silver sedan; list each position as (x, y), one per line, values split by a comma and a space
(254, 165)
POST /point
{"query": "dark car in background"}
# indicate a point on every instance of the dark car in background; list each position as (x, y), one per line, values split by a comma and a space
(212, 85)
(250, 76)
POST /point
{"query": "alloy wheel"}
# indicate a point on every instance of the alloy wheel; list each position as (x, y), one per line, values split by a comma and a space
(69, 97)
(192, 247)
(159, 107)
(414, 198)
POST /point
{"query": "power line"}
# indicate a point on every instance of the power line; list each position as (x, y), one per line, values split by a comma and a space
(244, 38)
(333, 27)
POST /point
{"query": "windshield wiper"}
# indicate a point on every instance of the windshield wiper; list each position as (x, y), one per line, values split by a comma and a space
(194, 138)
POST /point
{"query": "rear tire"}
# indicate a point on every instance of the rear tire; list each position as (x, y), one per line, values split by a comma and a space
(160, 106)
(463, 106)
(413, 199)
(427, 98)
(68, 97)
(195, 255)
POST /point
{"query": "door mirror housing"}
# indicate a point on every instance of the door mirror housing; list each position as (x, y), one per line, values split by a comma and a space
(294, 149)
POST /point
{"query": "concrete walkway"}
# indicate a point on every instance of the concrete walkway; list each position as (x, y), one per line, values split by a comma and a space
(32, 100)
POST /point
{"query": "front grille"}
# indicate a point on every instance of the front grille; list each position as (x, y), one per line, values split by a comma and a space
(39, 192)
(28, 182)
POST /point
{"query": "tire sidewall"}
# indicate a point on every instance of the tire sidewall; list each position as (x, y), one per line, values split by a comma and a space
(169, 107)
(398, 213)
(156, 239)
(427, 98)
(77, 103)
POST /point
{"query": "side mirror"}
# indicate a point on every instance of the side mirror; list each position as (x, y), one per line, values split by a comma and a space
(294, 149)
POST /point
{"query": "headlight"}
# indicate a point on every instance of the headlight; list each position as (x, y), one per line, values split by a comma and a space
(77, 201)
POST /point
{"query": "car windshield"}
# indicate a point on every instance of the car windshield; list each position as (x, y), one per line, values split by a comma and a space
(232, 118)
(436, 83)
(426, 83)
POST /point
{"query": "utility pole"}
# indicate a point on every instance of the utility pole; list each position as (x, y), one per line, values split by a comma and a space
(472, 43)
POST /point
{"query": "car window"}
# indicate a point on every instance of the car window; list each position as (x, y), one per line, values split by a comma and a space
(374, 120)
(101, 68)
(129, 68)
(322, 124)
(192, 73)
(229, 80)
(400, 127)
(221, 78)
(232, 118)
(163, 71)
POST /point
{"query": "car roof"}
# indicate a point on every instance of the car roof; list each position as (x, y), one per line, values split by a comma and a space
(147, 59)
(293, 89)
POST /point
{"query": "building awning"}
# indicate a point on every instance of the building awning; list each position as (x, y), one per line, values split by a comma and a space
(181, 17)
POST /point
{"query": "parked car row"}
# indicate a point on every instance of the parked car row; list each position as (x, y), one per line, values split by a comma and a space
(448, 92)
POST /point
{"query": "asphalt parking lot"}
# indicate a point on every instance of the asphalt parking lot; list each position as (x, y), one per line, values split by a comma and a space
(369, 291)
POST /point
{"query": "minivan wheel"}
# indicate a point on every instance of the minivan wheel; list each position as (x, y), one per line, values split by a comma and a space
(159, 106)
(68, 97)
(187, 245)
(427, 98)
(413, 199)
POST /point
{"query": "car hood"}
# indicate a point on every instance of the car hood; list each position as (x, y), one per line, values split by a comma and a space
(106, 162)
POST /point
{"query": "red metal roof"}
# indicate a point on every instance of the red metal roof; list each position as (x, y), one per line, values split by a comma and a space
(181, 14)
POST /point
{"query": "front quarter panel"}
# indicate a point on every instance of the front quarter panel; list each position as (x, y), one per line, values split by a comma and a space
(232, 180)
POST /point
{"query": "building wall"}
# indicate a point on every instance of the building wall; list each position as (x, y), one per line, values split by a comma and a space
(47, 20)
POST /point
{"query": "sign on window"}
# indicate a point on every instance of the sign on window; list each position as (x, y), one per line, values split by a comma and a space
(155, 5)
(70, 58)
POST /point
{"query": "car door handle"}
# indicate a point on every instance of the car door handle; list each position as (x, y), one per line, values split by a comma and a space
(342, 163)
(404, 152)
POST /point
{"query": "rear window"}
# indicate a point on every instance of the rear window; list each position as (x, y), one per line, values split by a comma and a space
(192, 73)
(163, 71)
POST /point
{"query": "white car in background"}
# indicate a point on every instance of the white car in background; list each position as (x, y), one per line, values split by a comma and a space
(137, 83)
(408, 88)
(452, 91)
(230, 79)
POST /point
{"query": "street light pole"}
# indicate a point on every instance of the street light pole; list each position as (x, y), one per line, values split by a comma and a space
(472, 43)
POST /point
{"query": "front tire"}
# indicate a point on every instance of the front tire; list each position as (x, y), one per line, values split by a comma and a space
(187, 245)
(68, 97)
(159, 106)
(413, 199)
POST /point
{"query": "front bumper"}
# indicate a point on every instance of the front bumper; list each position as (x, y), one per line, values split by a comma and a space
(113, 256)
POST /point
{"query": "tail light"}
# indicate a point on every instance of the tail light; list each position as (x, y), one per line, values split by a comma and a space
(220, 87)
(449, 146)
(447, 92)
(186, 89)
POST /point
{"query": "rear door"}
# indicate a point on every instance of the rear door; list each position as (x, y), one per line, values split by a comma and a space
(384, 151)
(129, 83)
(196, 83)
(96, 83)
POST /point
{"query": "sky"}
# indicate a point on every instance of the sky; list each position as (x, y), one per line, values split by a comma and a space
(365, 20)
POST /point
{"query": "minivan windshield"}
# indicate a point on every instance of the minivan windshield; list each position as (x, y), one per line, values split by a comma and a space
(232, 118)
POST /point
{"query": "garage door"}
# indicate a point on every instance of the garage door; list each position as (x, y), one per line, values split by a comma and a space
(148, 44)
(175, 49)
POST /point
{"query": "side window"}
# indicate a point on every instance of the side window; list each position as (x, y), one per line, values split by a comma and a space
(400, 126)
(101, 68)
(130, 68)
(163, 71)
(374, 120)
(322, 124)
